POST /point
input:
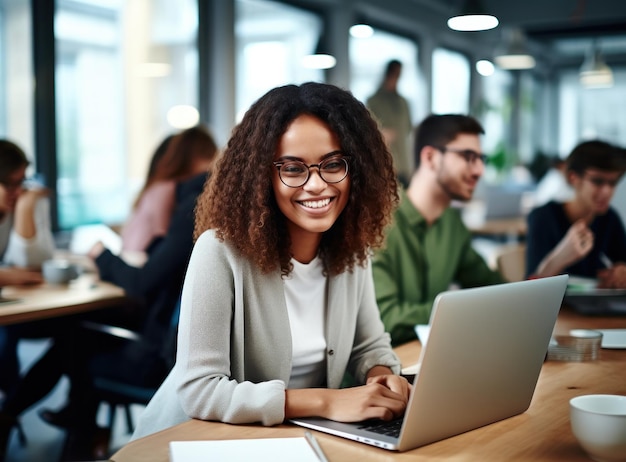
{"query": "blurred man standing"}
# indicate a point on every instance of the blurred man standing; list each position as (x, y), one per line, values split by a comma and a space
(392, 112)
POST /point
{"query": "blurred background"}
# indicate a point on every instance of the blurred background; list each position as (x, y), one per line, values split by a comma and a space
(90, 87)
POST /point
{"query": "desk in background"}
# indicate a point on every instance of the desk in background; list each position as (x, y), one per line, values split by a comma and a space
(542, 433)
(503, 229)
(44, 301)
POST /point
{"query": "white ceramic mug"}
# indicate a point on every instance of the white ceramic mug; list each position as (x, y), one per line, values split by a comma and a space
(57, 271)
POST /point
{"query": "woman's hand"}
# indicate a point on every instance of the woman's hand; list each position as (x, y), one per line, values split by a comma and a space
(372, 401)
(19, 277)
(383, 397)
(395, 383)
(613, 277)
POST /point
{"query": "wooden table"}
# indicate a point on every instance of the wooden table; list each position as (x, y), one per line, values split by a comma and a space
(45, 301)
(507, 228)
(542, 433)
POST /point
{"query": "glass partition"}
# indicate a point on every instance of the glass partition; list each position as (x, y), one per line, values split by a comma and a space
(450, 82)
(271, 40)
(16, 75)
(370, 55)
(123, 69)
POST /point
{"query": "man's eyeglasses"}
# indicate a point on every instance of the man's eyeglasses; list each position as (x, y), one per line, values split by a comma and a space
(294, 173)
(13, 185)
(469, 155)
(599, 182)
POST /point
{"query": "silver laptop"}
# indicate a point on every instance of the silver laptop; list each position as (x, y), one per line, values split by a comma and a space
(481, 363)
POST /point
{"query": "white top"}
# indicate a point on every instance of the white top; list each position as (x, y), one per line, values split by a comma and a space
(305, 294)
(17, 251)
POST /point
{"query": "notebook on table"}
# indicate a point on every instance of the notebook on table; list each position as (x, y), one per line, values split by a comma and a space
(484, 353)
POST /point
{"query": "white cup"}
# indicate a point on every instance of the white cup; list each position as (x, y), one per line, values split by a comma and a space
(599, 424)
(58, 271)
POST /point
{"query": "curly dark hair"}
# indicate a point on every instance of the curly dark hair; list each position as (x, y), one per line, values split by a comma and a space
(238, 200)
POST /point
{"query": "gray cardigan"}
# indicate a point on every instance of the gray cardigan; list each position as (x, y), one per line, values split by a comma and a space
(234, 342)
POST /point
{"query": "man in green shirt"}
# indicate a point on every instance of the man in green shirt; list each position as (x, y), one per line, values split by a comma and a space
(428, 247)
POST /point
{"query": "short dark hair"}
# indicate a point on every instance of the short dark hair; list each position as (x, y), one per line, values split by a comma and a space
(440, 129)
(392, 66)
(596, 154)
(11, 158)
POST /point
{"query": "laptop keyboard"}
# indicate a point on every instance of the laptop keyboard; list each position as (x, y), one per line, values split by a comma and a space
(391, 428)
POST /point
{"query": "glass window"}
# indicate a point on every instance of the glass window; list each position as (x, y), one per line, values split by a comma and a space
(450, 82)
(368, 58)
(587, 113)
(271, 40)
(16, 75)
(123, 69)
(495, 108)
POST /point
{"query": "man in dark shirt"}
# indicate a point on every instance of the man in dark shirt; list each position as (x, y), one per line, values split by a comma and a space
(583, 236)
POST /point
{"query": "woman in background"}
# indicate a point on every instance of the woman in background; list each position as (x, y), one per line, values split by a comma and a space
(25, 231)
(175, 160)
(278, 301)
(25, 242)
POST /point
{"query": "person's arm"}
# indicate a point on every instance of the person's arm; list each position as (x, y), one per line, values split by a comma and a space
(575, 245)
(31, 240)
(206, 333)
(375, 400)
(167, 260)
(613, 277)
(19, 277)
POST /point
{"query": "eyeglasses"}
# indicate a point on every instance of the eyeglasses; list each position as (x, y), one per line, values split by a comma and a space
(13, 185)
(600, 182)
(294, 173)
(469, 155)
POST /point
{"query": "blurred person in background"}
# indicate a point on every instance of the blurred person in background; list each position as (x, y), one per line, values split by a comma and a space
(25, 232)
(583, 236)
(392, 111)
(428, 247)
(25, 242)
(175, 160)
(154, 287)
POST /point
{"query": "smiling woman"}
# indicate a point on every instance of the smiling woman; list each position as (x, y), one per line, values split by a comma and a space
(285, 228)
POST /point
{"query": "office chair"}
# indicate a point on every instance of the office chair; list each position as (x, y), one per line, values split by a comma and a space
(116, 391)
(511, 262)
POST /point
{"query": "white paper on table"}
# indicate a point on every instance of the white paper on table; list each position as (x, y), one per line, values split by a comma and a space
(613, 338)
(422, 331)
(257, 450)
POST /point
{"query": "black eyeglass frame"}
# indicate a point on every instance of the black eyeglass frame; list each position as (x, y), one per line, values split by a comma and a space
(469, 155)
(344, 158)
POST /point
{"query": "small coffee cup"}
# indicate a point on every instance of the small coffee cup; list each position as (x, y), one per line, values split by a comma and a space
(57, 271)
(599, 424)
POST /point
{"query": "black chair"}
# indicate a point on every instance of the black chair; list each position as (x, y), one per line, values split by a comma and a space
(142, 380)
(130, 374)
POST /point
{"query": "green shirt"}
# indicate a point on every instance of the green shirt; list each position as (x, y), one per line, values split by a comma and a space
(420, 261)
